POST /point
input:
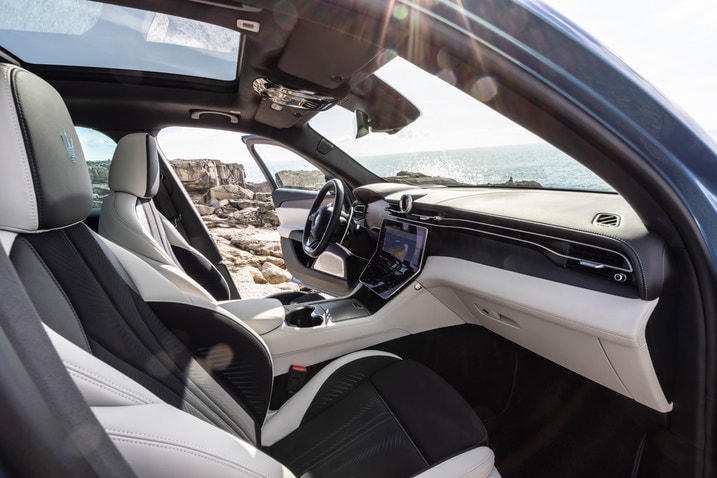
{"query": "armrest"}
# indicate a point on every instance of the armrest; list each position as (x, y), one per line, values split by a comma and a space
(262, 315)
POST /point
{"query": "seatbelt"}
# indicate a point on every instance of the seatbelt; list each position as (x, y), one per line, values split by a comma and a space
(166, 205)
(156, 229)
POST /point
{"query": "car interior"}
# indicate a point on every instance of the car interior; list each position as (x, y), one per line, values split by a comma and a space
(481, 330)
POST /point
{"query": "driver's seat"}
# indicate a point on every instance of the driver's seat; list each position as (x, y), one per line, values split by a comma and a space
(130, 218)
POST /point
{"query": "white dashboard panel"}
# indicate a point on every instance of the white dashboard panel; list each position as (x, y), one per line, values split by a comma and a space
(597, 335)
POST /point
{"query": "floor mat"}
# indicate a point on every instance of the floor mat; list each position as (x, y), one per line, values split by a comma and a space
(559, 424)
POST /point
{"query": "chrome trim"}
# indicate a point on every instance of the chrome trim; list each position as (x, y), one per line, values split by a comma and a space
(348, 225)
(405, 204)
(607, 219)
(586, 262)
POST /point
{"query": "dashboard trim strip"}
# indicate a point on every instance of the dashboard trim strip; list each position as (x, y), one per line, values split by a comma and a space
(421, 221)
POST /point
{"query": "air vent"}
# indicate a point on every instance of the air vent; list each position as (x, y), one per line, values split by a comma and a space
(606, 219)
(359, 211)
(597, 256)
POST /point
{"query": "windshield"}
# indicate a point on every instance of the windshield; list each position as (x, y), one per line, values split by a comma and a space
(457, 141)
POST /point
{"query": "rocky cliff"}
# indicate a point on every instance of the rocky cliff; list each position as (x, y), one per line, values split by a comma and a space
(242, 219)
(223, 196)
(99, 176)
(199, 176)
(217, 189)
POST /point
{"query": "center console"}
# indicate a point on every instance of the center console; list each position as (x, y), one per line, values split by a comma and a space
(312, 315)
(397, 260)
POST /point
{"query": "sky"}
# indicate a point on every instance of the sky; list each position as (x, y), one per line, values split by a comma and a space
(671, 43)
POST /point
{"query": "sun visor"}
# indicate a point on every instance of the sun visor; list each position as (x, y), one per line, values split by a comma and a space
(335, 61)
(388, 111)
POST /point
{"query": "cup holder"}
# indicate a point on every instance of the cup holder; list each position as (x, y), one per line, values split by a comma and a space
(304, 316)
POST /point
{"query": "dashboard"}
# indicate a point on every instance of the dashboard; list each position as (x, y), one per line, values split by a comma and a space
(575, 277)
(590, 240)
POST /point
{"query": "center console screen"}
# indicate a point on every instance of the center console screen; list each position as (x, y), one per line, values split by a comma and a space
(397, 259)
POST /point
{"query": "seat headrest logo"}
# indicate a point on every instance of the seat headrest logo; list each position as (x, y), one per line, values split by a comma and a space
(69, 146)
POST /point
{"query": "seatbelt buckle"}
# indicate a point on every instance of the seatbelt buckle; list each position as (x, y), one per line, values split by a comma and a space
(297, 378)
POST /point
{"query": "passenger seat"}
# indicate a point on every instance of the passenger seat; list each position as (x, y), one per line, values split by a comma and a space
(129, 217)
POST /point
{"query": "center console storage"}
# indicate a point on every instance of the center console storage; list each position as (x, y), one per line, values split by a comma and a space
(304, 316)
(262, 315)
(312, 315)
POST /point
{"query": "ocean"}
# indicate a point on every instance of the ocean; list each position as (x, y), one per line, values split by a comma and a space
(494, 165)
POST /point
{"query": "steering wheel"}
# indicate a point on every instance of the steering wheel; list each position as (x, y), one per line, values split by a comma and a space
(323, 220)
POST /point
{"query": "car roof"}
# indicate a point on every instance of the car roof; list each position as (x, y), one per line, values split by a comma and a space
(318, 47)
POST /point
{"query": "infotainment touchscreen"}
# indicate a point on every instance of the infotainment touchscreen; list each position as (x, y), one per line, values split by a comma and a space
(398, 258)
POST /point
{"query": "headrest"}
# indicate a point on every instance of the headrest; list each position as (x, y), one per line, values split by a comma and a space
(135, 166)
(44, 181)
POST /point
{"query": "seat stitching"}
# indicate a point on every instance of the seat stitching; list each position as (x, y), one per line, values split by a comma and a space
(97, 384)
(398, 422)
(184, 447)
(362, 430)
(38, 209)
(8, 74)
(102, 380)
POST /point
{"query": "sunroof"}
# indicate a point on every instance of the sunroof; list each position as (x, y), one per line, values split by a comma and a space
(91, 34)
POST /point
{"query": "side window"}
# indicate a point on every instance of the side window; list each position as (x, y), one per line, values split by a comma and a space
(226, 148)
(288, 169)
(180, 143)
(98, 149)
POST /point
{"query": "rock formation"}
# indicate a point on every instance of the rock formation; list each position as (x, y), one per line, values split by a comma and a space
(420, 179)
(308, 180)
(243, 221)
(200, 176)
(99, 176)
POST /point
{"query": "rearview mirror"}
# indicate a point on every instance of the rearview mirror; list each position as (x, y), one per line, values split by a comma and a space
(361, 124)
